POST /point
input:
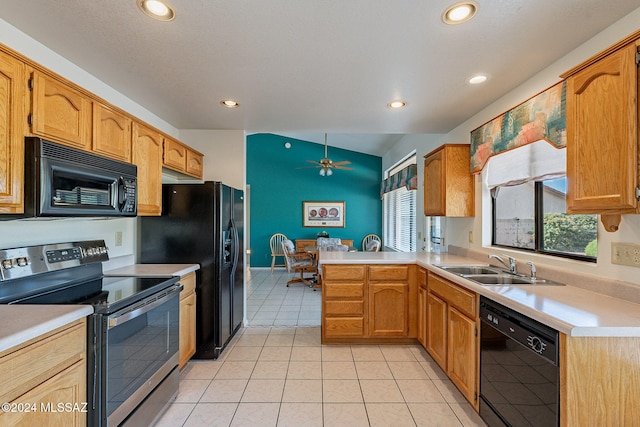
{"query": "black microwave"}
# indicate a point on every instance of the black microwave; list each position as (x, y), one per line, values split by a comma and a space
(61, 181)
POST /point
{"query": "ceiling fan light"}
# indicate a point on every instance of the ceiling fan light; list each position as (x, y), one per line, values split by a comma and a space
(329, 172)
(322, 172)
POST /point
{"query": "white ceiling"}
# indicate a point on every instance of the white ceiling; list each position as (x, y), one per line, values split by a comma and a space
(305, 67)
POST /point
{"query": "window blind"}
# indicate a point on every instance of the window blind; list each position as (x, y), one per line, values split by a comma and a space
(400, 220)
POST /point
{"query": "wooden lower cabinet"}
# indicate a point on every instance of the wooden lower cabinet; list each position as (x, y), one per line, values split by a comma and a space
(388, 310)
(599, 381)
(452, 333)
(44, 372)
(365, 303)
(187, 342)
(461, 352)
(66, 387)
(422, 316)
(437, 330)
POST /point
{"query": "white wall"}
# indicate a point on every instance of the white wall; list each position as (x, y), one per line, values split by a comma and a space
(224, 154)
(629, 231)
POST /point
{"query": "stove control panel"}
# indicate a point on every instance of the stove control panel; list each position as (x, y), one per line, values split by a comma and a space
(22, 262)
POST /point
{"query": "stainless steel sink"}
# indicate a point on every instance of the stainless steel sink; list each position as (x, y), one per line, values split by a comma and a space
(470, 269)
(494, 276)
(498, 279)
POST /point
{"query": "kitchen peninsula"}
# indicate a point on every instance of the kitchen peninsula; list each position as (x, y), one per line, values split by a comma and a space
(599, 334)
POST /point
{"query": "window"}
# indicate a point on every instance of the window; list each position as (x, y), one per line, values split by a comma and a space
(399, 213)
(531, 216)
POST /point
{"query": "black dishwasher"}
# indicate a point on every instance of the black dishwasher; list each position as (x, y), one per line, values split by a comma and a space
(519, 374)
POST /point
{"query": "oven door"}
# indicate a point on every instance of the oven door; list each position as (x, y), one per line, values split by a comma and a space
(139, 349)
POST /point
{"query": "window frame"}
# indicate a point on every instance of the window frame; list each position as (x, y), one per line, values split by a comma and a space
(411, 158)
(538, 227)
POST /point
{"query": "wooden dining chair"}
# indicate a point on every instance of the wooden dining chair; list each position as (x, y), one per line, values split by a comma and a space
(368, 238)
(275, 243)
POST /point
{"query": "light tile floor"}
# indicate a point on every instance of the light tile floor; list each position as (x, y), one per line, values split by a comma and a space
(275, 372)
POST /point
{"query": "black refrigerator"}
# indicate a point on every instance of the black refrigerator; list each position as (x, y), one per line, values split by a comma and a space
(203, 224)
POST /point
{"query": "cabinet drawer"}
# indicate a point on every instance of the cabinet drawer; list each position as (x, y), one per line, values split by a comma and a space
(338, 308)
(344, 272)
(336, 327)
(343, 290)
(456, 296)
(388, 272)
(29, 366)
(188, 281)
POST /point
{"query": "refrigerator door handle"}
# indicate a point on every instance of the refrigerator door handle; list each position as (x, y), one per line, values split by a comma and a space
(235, 237)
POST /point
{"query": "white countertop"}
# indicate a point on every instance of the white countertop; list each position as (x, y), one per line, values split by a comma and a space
(569, 309)
(153, 270)
(20, 323)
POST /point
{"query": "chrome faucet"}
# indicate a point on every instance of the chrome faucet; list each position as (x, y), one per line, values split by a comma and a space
(533, 269)
(513, 268)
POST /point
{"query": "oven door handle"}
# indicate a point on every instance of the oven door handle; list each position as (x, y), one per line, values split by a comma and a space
(119, 319)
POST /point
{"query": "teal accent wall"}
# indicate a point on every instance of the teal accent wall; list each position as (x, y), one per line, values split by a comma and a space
(278, 189)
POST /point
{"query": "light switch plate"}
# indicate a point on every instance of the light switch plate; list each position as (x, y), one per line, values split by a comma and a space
(625, 254)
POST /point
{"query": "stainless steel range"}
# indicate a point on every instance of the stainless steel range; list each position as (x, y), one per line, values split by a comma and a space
(132, 338)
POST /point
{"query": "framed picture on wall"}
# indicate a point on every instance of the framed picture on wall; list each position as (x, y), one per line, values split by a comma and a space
(323, 214)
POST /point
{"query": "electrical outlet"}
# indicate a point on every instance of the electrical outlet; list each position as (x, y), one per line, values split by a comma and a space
(625, 254)
(118, 238)
(470, 236)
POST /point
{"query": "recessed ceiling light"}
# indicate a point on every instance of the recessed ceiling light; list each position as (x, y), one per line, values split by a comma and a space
(229, 103)
(157, 9)
(477, 79)
(396, 104)
(459, 13)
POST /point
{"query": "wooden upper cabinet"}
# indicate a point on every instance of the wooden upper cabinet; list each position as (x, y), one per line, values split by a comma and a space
(146, 148)
(183, 159)
(195, 164)
(448, 183)
(12, 93)
(59, 112)
(111, 133)
(175, 155)
(602, 132)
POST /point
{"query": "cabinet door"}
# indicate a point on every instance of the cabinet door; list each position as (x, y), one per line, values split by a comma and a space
(388, 310)
(60, 113)
(147, 156)
(422, 316)
(68, 386)
(602, 135)
(12, 87)
(187, 345)
(175, 155)
(111, 133)
(434, 184)
(437, 329)
(461, 353)
(195, 164)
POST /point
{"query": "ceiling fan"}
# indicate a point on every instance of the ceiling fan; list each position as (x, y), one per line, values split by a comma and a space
(327, 165)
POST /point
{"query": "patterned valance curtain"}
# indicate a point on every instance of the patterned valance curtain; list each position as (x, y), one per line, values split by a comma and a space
(542, 117)
(407, 177)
